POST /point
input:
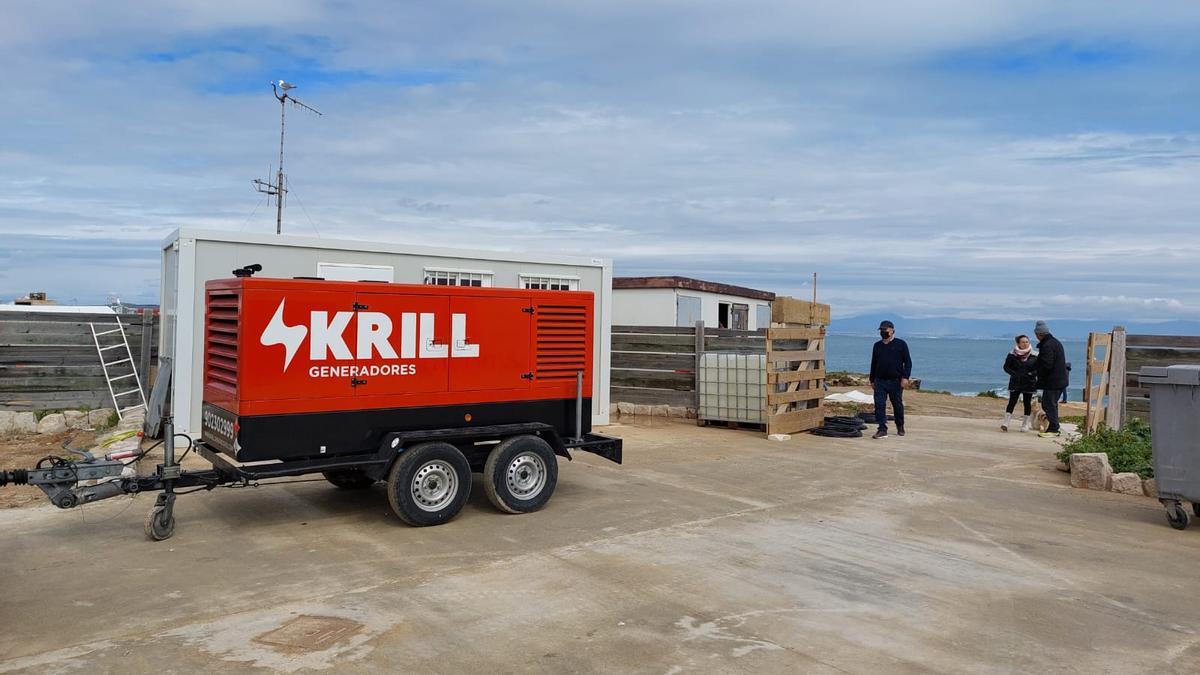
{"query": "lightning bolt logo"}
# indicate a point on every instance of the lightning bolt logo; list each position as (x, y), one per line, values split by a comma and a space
(279, 333)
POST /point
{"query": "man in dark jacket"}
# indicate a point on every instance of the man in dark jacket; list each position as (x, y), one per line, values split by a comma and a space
(1051, 375)
(891, 366)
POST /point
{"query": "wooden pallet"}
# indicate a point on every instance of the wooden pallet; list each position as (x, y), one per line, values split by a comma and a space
(796, 366)
(732, 424)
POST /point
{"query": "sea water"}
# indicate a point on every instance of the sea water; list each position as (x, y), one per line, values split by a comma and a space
(962, 366)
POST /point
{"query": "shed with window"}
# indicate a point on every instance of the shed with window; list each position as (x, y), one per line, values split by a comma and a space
(682, 301)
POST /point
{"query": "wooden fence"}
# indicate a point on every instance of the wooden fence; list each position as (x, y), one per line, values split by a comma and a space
(1153, 350)
(657, 364)
(49, 360)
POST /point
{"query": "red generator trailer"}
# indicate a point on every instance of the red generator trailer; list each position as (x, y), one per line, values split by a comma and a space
(417, 386)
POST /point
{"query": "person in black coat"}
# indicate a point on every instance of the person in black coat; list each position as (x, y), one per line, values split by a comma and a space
(891, 368)
(1051, 375)
(1021, 366)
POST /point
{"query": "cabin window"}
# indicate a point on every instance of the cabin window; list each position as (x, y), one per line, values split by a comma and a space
(448, 277)
(549, 283)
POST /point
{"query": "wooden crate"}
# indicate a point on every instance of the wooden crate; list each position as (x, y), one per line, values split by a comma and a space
(786, 310)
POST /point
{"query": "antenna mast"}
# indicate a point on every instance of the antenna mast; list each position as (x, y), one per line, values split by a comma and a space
(278, 188)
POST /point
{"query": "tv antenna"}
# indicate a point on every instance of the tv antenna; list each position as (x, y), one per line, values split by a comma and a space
(278, 188)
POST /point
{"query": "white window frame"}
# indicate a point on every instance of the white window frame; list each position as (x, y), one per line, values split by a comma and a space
(547, 282)
(456, 277)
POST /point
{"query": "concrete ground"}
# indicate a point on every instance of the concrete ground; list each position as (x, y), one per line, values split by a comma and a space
(956, 549)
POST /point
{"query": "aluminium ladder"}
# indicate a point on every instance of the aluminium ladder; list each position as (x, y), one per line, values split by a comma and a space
(116, 366)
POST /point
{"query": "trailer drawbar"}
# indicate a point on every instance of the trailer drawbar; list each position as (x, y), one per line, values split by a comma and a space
(416, 386)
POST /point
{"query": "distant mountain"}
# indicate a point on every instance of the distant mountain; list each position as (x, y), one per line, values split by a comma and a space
(988, 328)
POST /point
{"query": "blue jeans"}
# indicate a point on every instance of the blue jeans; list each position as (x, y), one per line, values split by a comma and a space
(884, 390)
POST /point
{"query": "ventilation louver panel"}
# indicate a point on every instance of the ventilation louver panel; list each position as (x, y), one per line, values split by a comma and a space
(221, 339)
(562, 341)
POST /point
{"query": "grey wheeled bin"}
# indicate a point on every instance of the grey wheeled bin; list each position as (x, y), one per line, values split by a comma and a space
(1175, 435)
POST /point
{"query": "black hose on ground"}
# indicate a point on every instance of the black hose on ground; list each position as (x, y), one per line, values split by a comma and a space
(842, 420)
(837, 426)
(834, 432)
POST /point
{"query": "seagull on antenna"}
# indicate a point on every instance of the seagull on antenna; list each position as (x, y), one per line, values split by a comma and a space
(285, 96)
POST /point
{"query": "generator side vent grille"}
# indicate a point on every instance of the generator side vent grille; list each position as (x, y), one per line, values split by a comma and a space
(221, 339)
(562, 341)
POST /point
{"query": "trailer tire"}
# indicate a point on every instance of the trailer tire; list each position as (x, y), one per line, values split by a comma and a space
(160, 523)
(520, 474)
(349, 479)
(429, 484)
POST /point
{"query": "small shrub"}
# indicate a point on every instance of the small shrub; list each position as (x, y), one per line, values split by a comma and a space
(936, 391)
(40, 414)
(1128, 449)
(1077, 420)
(990, 393)
(843, 378)
(113, 420)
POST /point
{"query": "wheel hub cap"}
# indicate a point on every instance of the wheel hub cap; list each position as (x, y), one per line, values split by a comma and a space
(434, 486)
(526, 475)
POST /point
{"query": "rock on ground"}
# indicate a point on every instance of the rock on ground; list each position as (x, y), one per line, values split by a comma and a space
(54, 423)
(1127, 484)
(1090, 470)
(133, 420)
(98, 419)
(24, 423)
(1150, 488)
(14, 423)
(75, 419)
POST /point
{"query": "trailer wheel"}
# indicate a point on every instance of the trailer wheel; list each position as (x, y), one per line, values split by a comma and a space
(520, 474)
(160, 523)
(429, 484)
(349, 479)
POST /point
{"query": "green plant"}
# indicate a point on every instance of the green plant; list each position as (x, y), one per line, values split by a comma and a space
(39, 414)
(1072, 419)
(1128, 448)
(988, 394)
(113, 420)
(936, 391)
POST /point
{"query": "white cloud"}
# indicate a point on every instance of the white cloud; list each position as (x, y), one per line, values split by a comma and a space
(754, 142)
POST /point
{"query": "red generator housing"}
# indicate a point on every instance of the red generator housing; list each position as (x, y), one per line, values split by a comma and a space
(302, 369)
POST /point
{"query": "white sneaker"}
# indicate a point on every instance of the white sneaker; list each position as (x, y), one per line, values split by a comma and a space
(1027, 424)
(1007, 419)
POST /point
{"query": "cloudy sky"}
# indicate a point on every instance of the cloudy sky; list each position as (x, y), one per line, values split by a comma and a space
(930, 157)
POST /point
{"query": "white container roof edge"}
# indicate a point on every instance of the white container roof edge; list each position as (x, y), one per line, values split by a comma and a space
(294, 241)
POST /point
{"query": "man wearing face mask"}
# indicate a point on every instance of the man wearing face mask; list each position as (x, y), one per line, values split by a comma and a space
(891, 366)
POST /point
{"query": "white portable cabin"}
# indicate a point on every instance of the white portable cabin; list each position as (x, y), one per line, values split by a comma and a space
(190, 257)
(681, 301)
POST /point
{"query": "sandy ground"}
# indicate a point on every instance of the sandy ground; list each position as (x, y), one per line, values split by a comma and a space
(945, 405)
(25, 452)
(957, 549)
